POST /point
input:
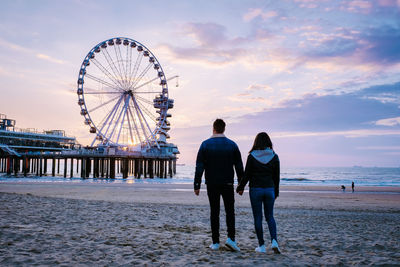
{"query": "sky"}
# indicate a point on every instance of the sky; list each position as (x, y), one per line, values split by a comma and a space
(320, 77)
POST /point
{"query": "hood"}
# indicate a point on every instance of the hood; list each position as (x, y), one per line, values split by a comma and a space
(217, 135)
(263, 156)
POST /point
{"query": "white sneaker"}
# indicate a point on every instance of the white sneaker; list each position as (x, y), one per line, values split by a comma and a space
(275, 247)
(214, 246)
(261, 249)
(232, 245)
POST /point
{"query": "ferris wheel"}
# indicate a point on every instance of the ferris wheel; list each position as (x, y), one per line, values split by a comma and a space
(123, 94)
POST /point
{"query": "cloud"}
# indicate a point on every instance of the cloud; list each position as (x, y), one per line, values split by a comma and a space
(203, 55)
(27, 51)
(389, 122)
(379, 148)
(320, 113)
(381, 45)
(349, 134)
(358, 6)
(308, 3)
(50, 59)
(15, 47)
(377, 45)
(258, 12)
(259, 87)
(206, 34)
(321, 45)
(315, 126)
(389, 3)
(383, 93)
(213, 47)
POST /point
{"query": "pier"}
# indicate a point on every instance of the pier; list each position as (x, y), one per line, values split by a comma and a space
(88, 166)
(27, 152)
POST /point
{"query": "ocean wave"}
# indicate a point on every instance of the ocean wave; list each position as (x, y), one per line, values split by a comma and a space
(296, 179)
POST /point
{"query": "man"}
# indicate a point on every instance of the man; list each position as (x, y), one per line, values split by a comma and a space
(216, 157)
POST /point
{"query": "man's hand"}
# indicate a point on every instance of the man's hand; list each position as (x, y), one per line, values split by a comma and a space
(240, 192)
(197, 192)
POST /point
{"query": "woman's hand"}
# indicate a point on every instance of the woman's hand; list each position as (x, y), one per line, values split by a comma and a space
(239, 190)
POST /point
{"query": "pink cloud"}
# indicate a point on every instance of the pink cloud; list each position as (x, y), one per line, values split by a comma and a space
(389, 3)
(258, 12)
(358, 6)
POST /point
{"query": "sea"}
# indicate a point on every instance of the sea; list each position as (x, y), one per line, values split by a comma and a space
(361, 176)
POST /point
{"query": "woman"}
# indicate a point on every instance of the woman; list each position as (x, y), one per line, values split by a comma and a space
(262, 169)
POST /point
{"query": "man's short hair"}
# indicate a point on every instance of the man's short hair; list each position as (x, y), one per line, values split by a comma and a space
(219, 126)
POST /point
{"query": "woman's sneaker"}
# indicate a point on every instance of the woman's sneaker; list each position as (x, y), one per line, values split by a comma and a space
(214, 246)
(232, 245)
(261, 249)
(275, 247)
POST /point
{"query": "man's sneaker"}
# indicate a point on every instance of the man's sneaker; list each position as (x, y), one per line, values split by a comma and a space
(275, 247)
(214, 246)
(261, 249)
(232, 245)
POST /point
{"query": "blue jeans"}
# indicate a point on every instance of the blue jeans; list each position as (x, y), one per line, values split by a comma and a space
(258, 197)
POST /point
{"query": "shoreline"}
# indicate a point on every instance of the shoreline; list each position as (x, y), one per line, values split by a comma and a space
(179, 181)
(303, 197)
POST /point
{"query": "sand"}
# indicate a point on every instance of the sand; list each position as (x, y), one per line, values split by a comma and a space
(165, 225)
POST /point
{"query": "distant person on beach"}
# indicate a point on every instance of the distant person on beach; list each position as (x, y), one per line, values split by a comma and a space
(263, 172)
(352, 187)
(216, 157)
(343, 188)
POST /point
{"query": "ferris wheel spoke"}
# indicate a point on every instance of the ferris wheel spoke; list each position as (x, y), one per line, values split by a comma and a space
(113, 112)
(148, 113)
(106, 120)
(120, 64)
(137, 109)
(134, 122)
(144, 119)
(142, 74)
(128, 61)
(112, 66)
(106, 72)
(146, 83)
(102, 93)
(135, 68)
(149, 92)
(124, 66)
(99, 80)
(130, 65)
(130, 127)
(119, 117)
(144, 100)
(123, 117)
(103, 104)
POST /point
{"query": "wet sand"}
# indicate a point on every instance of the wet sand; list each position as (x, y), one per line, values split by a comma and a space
(165, 224)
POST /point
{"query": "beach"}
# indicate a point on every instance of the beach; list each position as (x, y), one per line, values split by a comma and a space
(102, 224)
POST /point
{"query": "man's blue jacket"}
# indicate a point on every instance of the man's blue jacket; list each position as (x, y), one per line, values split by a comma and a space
(217, 156)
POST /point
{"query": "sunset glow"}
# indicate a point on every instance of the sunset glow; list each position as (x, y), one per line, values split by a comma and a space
(322, 77)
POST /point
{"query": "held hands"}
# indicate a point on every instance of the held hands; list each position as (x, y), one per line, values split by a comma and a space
(239, 191)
